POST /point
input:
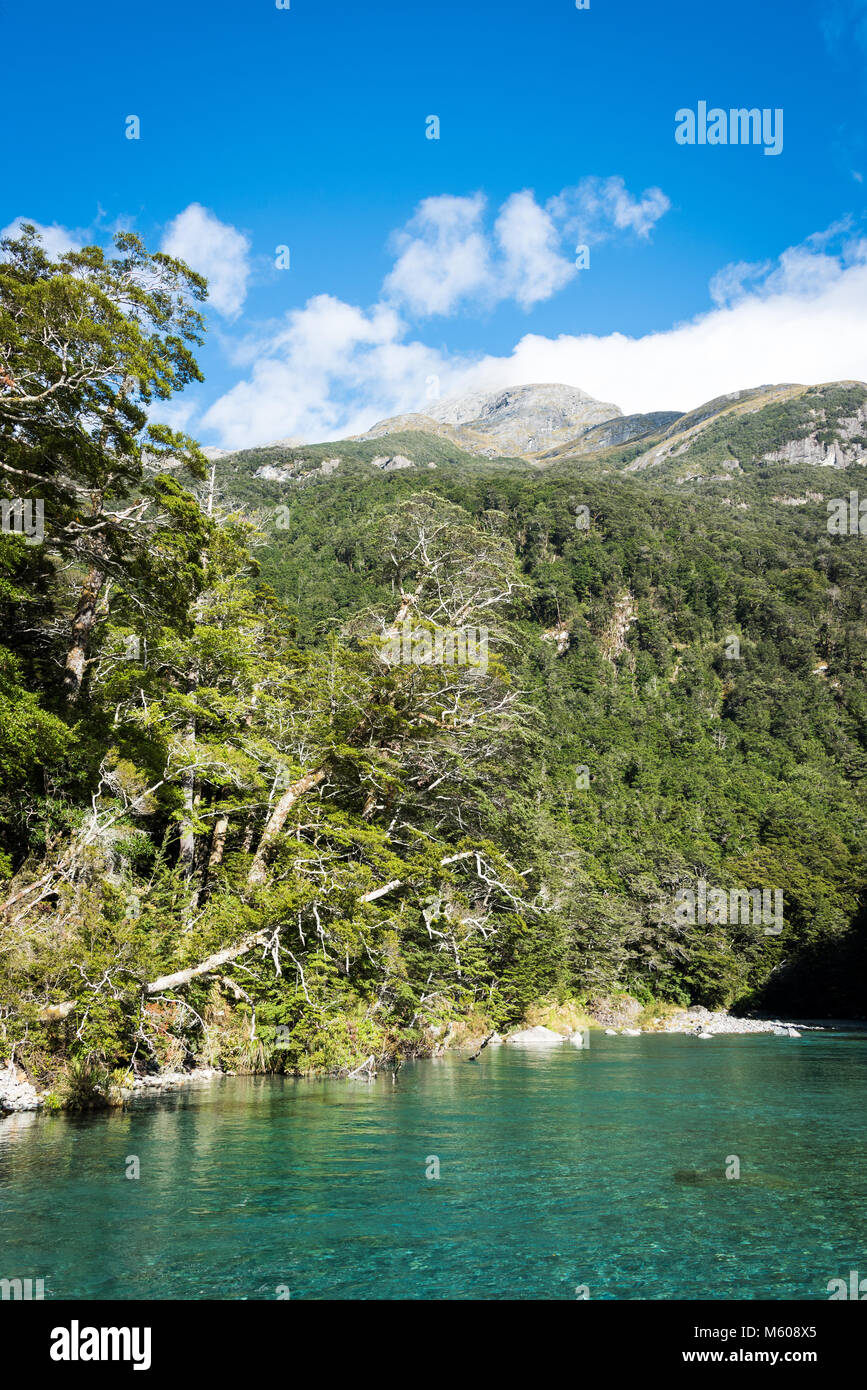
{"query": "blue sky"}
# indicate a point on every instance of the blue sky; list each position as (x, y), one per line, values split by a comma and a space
(421, 266)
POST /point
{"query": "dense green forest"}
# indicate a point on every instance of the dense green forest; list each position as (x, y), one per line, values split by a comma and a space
(234, 833)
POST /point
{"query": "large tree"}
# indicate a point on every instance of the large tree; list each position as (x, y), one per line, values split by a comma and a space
(87, 344)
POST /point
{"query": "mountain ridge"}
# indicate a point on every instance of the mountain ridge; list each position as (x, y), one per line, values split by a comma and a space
(780, 425)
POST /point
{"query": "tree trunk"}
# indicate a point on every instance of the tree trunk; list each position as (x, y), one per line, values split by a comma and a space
(82, 629)
(187, 851)
(218, 844)
(183, 977)
(277, 820)
(215, 858)
(249, 831)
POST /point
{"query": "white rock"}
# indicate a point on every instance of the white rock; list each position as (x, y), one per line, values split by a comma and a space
(15, 1094)
(631, 1032)
(535, 1037)
(390, 463)
(611, 1032)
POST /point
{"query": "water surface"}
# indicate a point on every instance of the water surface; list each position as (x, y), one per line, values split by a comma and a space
(558, 1169)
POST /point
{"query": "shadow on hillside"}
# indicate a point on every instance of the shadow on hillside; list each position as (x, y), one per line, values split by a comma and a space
(827, 979)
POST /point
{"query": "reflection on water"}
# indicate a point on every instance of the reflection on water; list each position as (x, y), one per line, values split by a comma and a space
(604, 1167)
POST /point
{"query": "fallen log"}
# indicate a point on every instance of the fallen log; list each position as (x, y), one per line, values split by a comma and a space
(53, 1013)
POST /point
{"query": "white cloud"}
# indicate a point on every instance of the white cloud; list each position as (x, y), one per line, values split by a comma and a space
(447, 259)
(596, 207)
(444, 256)
(329, 370)
(532, 267)
(214, 249)
(332, 369)
(804, 322)
(55, 239)
(178, 414)
(729, 284)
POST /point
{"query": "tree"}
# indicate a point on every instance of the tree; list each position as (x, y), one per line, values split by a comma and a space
(87, 344)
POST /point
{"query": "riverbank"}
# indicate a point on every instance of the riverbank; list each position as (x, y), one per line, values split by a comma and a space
(18, 1095)
(622, 1016)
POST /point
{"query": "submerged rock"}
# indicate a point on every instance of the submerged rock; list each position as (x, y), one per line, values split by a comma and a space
(171, 1080)
(692, 1177)
(535, 1037)
(695, 1177)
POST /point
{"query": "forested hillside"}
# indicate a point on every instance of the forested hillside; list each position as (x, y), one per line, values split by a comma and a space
(234, 831)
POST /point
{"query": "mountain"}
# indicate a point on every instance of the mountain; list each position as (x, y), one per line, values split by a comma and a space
(620, 430)
(784, 426)
(691, 666)
(671, 693)
(520, 420)
(540, 426)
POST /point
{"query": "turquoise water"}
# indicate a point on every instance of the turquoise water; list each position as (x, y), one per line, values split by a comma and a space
(603, 1168)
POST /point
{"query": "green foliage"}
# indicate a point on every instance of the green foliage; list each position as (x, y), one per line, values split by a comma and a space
(405, 848)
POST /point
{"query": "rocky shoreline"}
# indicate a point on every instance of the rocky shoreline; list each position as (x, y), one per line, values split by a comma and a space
(18, 1095)
(718, 1021)
(694, 1021)
(171, 1081)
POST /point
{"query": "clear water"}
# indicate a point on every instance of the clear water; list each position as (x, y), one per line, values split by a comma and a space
(558, 1169)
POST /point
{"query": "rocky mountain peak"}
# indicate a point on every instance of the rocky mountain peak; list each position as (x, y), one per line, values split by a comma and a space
(524, 419)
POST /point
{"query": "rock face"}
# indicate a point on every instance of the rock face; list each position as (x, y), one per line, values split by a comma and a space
(535, 1037)
(847, 449)
(17, 1094)
(516, 421)
(524, 419)
(790, 426)
(389, 463)
(610, 433)
(272, 474)
(614, 1011)
(614, 637)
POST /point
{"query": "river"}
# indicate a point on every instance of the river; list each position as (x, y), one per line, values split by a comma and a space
(560, 1173)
